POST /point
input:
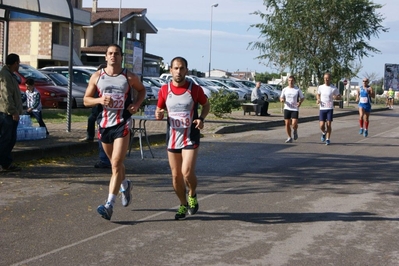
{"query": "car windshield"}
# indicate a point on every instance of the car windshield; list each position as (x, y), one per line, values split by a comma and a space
(231, 84)
(153, 81)
(30, 72)
(198, 80)
(59, 79)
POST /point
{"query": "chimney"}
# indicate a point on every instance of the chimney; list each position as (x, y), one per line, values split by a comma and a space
(94, 8)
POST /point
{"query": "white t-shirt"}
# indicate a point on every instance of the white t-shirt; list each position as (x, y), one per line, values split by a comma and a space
(326, 96)
(291, 98)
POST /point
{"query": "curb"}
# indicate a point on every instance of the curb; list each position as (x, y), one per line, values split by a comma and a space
(268, 124)
(71, 149)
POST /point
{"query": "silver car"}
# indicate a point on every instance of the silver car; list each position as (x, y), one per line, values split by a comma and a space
(243, 95)
(78, 92)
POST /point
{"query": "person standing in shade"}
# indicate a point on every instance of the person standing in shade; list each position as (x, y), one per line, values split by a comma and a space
(33, 103)
(257, 97)
(326, 94)
(363, 97)
(10, 110)
(292, 97)
(181, 98)
(114, 85)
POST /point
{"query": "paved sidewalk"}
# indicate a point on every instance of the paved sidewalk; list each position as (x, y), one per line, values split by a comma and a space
(60, 142)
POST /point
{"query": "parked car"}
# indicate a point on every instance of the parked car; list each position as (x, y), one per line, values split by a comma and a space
(155, 85)
(207, 90)
(248, 83)
(153, 81)
(274, 94)
(166, 76)
(80, 76)
(92, 69)
(51, 96)
(243, 94)
(160, 80)
(151, 91)
(78, 92)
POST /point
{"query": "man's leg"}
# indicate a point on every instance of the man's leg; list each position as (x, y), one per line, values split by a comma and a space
(329, 129)
(188, 169)
(179, 183)
(322, 125)
(104, 161)
(91, 126)
(288, 127)
(103, 157)
(39, 119)
(175, 163)
(117, 152)
(266, 107)
(295, 128)
(6, 137)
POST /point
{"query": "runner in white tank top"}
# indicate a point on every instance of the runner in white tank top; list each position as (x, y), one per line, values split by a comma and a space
(117, 87)
(114, 86)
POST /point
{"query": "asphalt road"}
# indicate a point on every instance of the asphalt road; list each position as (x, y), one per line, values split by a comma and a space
(262, 202)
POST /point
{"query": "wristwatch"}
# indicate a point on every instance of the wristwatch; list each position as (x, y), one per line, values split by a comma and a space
(201, 118)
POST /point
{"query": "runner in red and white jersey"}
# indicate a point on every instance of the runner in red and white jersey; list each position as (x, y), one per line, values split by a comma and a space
(181, 99)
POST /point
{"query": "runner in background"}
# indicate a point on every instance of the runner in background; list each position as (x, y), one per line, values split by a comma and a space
(292, 97)
(363, 97)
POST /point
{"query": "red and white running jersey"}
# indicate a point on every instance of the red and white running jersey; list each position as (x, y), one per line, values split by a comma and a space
(119, 89)
(182, 106)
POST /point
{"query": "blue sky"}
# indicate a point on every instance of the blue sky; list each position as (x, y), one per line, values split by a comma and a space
(184, 30)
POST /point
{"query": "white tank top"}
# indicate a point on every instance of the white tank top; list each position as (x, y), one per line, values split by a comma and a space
(118, 88)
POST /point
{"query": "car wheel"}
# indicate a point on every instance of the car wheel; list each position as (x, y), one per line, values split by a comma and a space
(266, 97)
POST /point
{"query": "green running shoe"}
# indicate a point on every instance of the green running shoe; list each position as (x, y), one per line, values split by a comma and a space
(181, 213)
(192, 204)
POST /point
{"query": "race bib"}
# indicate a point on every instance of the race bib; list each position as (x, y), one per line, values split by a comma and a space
(364, 99)
(292, 105)
(180, 119)
(328, 104)
(118, 100)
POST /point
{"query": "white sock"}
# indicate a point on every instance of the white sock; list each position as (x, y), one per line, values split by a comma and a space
(111, 200)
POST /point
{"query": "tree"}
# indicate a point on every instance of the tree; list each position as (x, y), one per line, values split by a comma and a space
(265, 77)
(375, 81)
(310, 37)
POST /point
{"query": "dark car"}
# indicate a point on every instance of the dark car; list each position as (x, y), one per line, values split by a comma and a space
(51, 96)
(78, 92)
(80, 76)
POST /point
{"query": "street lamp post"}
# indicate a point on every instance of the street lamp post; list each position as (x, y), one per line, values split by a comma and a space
(210, 41)
(119, 21)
